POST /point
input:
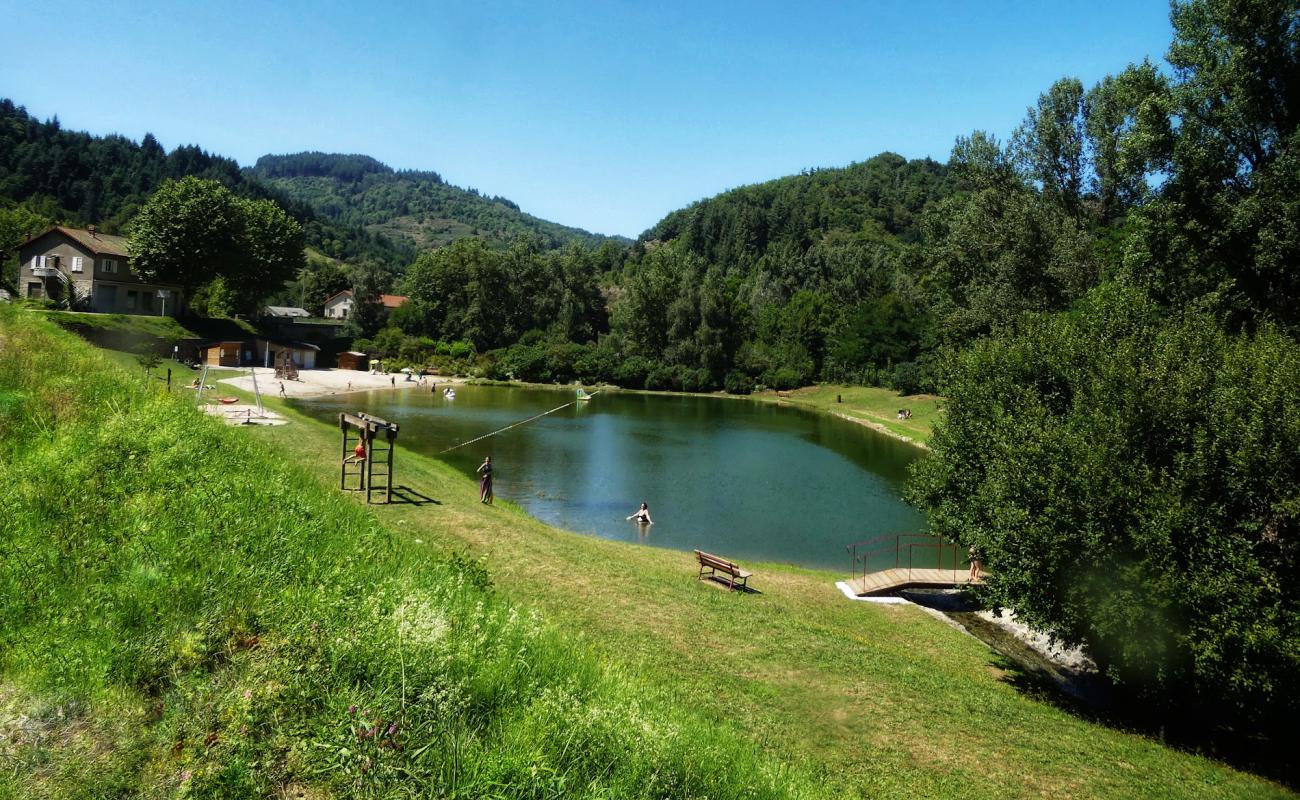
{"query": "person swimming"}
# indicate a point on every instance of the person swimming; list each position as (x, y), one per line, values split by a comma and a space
(642, 515)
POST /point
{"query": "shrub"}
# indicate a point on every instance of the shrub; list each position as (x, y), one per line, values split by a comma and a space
(1134, 485)
(632, 371)
(738, 383)
(906, 378)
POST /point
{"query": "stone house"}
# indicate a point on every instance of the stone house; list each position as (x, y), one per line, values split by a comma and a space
(96, 267)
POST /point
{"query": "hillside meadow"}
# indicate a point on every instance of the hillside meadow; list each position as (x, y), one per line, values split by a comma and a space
(191, 610)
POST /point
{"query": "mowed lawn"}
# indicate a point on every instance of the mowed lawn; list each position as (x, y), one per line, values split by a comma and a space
(870, 404)
(883, 701)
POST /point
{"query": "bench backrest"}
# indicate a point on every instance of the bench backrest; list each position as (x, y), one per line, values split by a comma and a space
(708, 560)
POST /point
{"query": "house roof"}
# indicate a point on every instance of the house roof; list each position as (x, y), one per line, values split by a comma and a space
(337, 295)
(393, 300)
(296, 345)
(104, 244)
(287, 311)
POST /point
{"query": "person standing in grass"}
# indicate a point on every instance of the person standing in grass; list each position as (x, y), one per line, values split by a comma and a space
(485, 481)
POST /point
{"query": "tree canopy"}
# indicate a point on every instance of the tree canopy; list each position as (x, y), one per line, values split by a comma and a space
(194, 231)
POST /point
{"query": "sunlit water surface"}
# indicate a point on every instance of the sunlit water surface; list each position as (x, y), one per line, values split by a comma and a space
(743, 479)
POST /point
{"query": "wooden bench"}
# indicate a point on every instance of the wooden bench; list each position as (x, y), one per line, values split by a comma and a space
(717, 566)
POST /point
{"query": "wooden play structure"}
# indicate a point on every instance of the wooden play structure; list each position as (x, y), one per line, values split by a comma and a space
(372, 473)
(285, 369)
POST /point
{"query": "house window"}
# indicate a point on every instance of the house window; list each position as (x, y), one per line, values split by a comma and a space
(77, 264)
(131, 299)
(110, 265)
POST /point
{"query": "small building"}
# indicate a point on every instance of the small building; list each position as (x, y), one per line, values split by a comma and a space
(93, 269)
(339, 306)
(285, 312)
(267, 351)
(353, 360)
(391, 301)
(222, 354)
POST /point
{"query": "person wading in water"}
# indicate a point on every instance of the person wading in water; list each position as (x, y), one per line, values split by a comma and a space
(642, 515)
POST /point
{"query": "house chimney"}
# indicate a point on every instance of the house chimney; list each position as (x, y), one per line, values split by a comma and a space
(92, 232)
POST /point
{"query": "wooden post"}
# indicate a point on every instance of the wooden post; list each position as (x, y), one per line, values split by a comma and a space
(169, 379)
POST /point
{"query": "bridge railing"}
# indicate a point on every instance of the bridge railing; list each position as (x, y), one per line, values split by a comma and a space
(887, 551)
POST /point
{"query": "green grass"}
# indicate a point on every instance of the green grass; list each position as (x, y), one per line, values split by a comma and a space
(880, 701)
(185, 613)
(590, 668)
(872, 405)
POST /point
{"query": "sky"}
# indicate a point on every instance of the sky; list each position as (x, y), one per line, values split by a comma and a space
(601, 115)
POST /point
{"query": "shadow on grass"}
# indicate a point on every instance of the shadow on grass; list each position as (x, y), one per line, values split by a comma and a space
(405, 495)
(1089, 695)
(721, 582)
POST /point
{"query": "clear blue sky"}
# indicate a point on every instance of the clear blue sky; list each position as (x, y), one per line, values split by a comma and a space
(604, 115)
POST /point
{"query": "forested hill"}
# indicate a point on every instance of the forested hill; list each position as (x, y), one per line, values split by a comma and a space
(418, 207)
(49, 175)
(874, 200)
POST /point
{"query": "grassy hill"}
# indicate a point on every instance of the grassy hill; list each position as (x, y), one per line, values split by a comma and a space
(185, 613)
(415, 206)
(192, 610)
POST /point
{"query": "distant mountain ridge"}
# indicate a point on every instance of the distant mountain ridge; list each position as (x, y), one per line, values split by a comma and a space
(416, 206)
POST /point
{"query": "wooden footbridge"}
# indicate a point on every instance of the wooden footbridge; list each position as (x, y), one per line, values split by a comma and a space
(895, 561)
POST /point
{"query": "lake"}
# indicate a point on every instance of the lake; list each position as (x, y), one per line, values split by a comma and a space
(742, 479)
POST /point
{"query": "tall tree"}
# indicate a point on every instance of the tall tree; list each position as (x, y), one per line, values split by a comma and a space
(1132, 481)
(193, 231)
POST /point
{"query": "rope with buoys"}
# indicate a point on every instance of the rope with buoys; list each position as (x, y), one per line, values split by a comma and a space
(512, 425)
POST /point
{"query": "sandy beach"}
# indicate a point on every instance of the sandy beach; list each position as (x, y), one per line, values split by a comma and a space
(322, 382)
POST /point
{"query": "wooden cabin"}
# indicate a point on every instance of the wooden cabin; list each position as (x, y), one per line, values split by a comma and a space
(353, 360)
(221, 354)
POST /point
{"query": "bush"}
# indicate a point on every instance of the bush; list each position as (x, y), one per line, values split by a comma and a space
(783, 378)
(662, 377)
(632, 372)
(1134, 486)
(738, 383)
(906, 378)
(596, 365)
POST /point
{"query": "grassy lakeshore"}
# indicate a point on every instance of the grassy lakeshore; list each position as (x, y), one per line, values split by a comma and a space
(218, 645)
(876, 700)
(872, 406)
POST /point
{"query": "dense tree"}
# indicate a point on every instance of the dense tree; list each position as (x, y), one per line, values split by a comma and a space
(1221, 231)
(192, 231)
(1133, 484)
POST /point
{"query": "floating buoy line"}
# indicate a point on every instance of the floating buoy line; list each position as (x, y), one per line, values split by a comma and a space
(516, 424)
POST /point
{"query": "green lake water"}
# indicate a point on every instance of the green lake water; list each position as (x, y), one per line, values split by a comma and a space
(742, 479)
